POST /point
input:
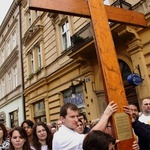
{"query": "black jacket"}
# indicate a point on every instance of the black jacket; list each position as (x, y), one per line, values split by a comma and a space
(142, 130)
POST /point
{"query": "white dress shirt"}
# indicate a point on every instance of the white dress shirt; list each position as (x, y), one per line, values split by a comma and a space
(67, 139)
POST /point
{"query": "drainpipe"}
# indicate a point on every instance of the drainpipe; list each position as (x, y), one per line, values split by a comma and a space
(21, 57)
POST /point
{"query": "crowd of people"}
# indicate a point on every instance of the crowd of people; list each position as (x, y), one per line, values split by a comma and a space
(72, 132)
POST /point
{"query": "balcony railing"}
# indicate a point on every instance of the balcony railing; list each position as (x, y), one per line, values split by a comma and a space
(142, 6)
(122, 4)
(80, 38)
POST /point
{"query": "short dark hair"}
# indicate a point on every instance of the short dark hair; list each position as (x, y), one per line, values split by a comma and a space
(136, 105)
(28, 122)
(63, 109)
(97, 140)
(79, 120)
(83, 114)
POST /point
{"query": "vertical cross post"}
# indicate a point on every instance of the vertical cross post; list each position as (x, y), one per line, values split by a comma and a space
(108, 63)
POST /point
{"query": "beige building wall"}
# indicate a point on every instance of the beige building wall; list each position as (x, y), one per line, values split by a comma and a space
(11, 91)
(59, 67)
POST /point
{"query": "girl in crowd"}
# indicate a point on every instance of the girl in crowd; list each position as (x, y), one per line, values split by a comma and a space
(19, 139)
(27, 125)
(42, 137)
(4, 141)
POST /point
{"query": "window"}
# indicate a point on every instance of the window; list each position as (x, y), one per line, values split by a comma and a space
(3, 87)
(39, 112)
(9, 82)
(3, 56)
(14, 40)
(77, 99)
(36, 14)
(15, 77)
(14, 119)
(31, 62)
(66, 41)
(130, 90)
(125, 70)
(39, 57)
(29, 18)
(35, 60)
(8, 47)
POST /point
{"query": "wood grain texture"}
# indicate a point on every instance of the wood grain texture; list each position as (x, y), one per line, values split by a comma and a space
(108, 62)
(106, 54)
(80, 8)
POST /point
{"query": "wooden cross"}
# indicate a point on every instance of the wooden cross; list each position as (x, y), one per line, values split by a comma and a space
(106, 54)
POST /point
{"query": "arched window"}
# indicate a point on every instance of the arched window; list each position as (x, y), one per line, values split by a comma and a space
(124, 68)
(129, 89)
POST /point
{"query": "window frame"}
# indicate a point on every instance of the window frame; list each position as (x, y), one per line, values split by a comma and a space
(15, 76)
(14, 39)
(65, 35)
(9, 81)
(39, 57)
(14, 120)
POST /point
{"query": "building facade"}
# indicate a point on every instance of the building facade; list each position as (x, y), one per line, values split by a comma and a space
(60, 63)
(11, 91)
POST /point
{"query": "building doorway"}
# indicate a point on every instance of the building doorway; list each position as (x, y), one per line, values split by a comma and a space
(130, 90)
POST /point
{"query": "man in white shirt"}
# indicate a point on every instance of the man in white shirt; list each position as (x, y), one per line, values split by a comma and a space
(145, 117)
(66, 138)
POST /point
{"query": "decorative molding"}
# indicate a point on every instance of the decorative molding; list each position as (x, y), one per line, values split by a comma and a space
(11, 59)
(135, 46)
(30, 33)
(128, 33)
(83, 61)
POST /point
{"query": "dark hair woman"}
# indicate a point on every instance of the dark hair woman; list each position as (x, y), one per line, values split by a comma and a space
(19, 139)
(27, 125)
(98, 140)
(42, 137)
(4, 141)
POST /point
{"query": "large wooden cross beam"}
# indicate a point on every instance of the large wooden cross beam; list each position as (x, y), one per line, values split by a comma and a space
(106, 54)
(81, 8)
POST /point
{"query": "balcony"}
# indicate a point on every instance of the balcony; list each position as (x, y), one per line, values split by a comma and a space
(82, 43)
(81, 37)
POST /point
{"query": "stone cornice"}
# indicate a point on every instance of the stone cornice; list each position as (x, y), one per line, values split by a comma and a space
(8, 16)
(9, 61)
